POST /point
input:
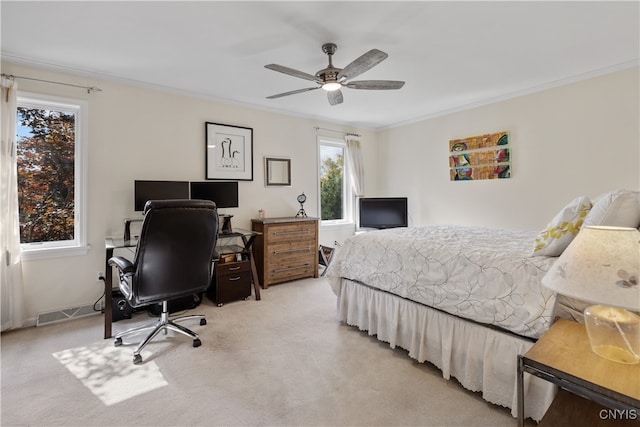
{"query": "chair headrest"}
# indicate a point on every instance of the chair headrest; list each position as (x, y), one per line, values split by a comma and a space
(178, 203)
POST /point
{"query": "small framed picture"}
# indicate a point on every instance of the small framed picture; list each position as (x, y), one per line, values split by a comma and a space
(277, 171)
(229, 152)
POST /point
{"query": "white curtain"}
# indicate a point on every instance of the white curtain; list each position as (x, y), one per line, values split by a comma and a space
(356, 166)
(12, 296)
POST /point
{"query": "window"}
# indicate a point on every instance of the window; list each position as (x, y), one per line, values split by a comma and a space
(336, 195)
(50, 162)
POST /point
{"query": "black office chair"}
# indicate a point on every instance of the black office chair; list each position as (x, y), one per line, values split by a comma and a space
(173, 259)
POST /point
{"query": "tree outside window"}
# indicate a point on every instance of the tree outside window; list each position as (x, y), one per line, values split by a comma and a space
(51, 165)
(334, 188)
(45, 161)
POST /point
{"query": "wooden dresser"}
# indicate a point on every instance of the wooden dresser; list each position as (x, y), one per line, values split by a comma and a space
(286, 250)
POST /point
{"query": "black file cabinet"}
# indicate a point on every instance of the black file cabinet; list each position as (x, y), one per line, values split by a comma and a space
(231, 281)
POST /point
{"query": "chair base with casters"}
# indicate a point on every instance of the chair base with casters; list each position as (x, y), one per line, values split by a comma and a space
(163, 324)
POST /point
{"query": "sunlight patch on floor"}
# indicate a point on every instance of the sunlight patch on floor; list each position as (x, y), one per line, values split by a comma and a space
(109, 373)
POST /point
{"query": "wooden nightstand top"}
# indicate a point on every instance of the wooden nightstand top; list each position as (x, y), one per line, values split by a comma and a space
(565, 348)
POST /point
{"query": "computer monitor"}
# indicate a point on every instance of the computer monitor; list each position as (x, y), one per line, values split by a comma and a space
(223, 193)
(158, 190)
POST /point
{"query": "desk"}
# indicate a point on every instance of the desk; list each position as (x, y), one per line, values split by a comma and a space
(563, 356)
(223, 246)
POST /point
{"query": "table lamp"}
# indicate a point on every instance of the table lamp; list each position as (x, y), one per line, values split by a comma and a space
(601, 266)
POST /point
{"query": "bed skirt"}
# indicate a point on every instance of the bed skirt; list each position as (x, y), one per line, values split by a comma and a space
(482, 359)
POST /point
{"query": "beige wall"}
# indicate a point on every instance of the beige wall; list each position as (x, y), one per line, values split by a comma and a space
(138, 133)
(578, 139)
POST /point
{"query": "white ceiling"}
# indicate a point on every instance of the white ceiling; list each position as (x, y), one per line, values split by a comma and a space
(452, 54)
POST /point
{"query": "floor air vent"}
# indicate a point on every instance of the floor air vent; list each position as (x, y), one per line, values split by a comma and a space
(65, 314)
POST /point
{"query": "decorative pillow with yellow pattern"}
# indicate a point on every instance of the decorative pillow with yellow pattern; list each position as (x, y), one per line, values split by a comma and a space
(555, 238)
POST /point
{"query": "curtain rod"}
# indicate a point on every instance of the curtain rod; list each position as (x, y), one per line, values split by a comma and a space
(337, 131)
(88, 88)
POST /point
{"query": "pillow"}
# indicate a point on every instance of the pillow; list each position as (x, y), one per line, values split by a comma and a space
(619, 208)
(554, 239)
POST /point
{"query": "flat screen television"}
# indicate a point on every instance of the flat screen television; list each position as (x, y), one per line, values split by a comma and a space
(223, 193)
(158, 190)
(383, 212)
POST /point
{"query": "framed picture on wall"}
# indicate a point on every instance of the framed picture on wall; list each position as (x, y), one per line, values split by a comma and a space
(277, 171)
(480, 157)
(229, 152)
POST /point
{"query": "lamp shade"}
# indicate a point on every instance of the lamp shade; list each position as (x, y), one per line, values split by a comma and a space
(600, 266)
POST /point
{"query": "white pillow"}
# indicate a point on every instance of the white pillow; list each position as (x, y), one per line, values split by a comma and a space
(619, 208)
(555, 238)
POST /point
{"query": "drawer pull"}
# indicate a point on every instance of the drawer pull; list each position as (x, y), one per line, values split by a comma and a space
(278, 233)
(288, 251)
(233, 279)
(280, 270)
(234, 268)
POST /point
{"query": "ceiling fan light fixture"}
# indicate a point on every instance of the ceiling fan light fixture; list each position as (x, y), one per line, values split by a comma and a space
(332, 79)
(331, 86)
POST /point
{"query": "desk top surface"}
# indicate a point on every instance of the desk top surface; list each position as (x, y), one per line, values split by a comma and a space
(119, 242)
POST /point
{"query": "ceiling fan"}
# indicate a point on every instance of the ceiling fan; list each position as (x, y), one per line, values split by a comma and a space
(332, 79)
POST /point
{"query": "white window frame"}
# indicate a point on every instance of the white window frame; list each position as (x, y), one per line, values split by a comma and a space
(348, 201)
(77, 246)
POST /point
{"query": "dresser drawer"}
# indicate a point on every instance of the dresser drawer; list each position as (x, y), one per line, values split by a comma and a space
(289, 232)
(290, 261)
(290, 250)
(290, 271)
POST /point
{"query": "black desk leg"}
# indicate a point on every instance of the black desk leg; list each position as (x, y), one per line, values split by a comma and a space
(520, 391)
(108, 297)
(248, 243)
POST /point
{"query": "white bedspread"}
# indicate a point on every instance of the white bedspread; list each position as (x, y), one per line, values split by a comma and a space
(482, 274)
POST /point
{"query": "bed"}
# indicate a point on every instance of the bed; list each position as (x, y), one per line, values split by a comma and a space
(468, 299)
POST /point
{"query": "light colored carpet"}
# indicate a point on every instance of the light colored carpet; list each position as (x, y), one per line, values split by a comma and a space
(282, 361)
(108, 373)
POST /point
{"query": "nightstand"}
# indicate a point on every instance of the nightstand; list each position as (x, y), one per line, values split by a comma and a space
(564, 357)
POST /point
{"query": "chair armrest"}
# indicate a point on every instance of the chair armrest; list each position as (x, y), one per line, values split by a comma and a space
(123, 264)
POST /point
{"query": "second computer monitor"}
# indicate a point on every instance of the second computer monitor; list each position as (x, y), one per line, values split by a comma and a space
(223, 193)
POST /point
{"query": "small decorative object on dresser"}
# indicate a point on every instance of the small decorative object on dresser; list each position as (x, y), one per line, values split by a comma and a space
(301, 199)
(286, 250)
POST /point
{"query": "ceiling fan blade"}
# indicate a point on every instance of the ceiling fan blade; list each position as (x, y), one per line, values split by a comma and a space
(362, 64)
(375, 84)
(335, 97)
(291, 72)
(293, 92)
